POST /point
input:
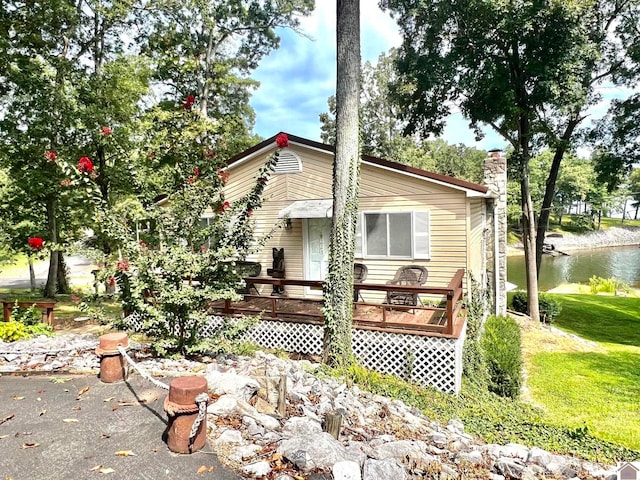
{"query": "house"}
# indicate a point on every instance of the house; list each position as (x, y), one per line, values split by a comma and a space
(407, 216)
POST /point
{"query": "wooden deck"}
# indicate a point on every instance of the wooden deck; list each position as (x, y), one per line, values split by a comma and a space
(445, 319)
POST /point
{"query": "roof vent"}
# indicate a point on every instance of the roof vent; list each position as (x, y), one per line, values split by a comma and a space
(288, 162)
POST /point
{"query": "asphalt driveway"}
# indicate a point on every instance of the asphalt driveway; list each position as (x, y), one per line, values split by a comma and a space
(75, 427)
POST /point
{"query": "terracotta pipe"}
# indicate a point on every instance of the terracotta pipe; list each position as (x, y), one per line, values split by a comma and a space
(182, 409)
(111, 362)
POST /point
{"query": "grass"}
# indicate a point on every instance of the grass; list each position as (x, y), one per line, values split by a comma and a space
(19, 265)
(595, 382)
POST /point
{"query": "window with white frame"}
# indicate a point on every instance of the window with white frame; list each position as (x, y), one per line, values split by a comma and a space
(393, 235)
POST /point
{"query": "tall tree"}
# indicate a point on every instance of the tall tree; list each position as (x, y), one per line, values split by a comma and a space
(501, 63)
(607, 54)
(338, 295)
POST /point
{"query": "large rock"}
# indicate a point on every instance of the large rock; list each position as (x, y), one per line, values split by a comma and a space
(309, 452)
(346, 470)
(296, 426)
(231, 383)
(403, 451)
(382, 470)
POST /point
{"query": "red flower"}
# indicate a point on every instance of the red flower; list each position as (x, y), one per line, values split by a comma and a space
(85, 165)
(224, 206)
(191, 179)
(51, 156)
(143, 245)
(75, 298)
(196, 171)
(189, 102)
(210, 154)
(66, 182)
(122, 265)
(224, 176)
(203, 248)
(151, 155)
(105, 131)
(112, 281)
(249, 213)
(282, 140)
(35, 243)
(263, 180)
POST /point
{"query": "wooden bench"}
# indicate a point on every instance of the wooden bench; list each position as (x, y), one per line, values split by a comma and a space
(45, 306)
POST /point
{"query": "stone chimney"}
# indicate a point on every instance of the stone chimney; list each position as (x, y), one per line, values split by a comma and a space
(495, 177)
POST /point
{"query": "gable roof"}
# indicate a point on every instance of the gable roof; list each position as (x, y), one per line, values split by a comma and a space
(472, 189)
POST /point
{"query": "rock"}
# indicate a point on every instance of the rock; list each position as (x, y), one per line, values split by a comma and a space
(439, 439)
(346, 470)
(300, 426)
(539, 457)
(474, 457)
(455, 426)
(515, 450)
(222, 383)
(225, 406)
(262, 406)
(229, 436)
(247, 452)
(318, 450)
(257, 470)
(402, 451)
(382, 470)
(509, 467)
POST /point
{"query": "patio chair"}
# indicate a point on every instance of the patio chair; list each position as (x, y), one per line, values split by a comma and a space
(360, 271)
(415, 275)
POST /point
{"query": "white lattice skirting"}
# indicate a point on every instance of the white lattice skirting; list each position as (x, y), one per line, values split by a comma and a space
(429, 361)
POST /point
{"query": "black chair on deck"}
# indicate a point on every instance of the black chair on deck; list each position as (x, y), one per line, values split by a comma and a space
(360, 271)
(415, 275)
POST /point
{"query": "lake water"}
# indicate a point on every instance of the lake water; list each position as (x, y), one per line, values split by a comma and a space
(622, 263)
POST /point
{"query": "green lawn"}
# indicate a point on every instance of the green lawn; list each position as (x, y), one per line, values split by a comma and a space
(599, 389)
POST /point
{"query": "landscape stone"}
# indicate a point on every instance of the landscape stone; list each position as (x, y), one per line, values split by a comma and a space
(312, 451)
(346, 470)
(382, 470)
(257, 470)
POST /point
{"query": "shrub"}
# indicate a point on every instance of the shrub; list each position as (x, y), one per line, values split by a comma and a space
(474, 367)
(501, 346)
(548, 305)
(607, 285)
(12, 331)
(26, 315)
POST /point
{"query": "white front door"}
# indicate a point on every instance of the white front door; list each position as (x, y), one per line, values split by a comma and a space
(318, 233)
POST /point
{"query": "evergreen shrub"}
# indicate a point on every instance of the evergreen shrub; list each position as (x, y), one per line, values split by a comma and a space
(501, 346)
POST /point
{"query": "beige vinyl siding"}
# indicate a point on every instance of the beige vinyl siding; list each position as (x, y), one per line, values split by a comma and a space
(476, 243)
(380, 191)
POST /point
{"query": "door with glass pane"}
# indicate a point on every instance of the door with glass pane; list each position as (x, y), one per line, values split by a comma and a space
(318, 233)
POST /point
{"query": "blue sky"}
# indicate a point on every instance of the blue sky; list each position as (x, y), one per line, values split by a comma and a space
(297, 79)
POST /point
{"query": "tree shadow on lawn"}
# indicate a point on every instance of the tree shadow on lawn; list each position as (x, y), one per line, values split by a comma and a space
(601, 319)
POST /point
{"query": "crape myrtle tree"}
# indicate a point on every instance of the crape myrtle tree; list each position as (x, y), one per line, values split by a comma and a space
(65, 77)
(170, 273)
(502, 63)
(338, 294)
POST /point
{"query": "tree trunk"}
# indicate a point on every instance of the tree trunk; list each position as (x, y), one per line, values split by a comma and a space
(63, 280)
(52, 277)
(32, 275)
(338, 295)
(529, 244)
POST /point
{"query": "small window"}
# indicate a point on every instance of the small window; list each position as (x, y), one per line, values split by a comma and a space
(288, 162)
(393, 235)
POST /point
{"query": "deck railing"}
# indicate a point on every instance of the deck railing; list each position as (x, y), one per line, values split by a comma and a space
(441, 319)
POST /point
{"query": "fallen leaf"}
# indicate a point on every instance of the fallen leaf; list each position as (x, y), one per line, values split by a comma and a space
(76, 408)
(60, 380)
(104, 435)
(106, 470)
(42, 412)
(108, 399)
(276, 457)
(128, 404)
(70, 420)
(18, 398)
(97, 467)
(3, 436)
(125, 453)
(41, 391)
(7, 418)
(30, 445)
(204, 469)
(83, 391)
